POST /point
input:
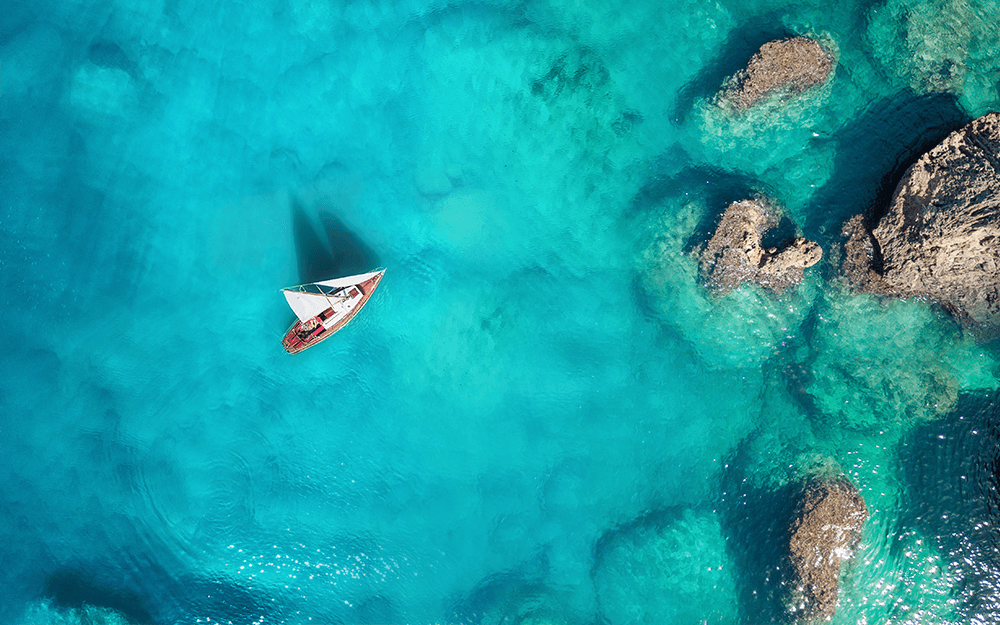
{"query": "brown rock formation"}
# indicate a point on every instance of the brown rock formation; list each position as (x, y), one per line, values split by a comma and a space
(861, 257)
(824, 532)
(788, 65)
(940, 237)
(734, 254)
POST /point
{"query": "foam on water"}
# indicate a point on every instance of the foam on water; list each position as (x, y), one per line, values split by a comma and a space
(541, 416)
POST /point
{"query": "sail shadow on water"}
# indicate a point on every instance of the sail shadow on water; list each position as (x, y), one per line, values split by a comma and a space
(337, 252)
(351, 255)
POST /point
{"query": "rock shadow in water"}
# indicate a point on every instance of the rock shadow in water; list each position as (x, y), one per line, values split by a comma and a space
(509, 597)
(744, 41)
(873, 153)
(70, 588)
(146, 592)
(716, 187)
(780, 234)
(952, 469)
(796, 378)
(756, 525)
(337, 252)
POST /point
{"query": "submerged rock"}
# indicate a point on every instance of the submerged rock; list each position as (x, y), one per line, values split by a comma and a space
(735, 255)
(924, 47)
(879, 367)
(939, 238)
(44, 611)
(788, 65)
(680, 550)
(824, 532)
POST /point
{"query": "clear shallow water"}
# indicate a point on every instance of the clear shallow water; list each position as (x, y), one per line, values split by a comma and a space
(540, 418)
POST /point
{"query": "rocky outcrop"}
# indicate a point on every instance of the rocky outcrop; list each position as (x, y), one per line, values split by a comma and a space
(788, 65)
(735, 255)
(940, 237)
(861, 257)
(824, 532)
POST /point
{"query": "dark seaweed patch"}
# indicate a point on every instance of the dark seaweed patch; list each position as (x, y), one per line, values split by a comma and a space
(624, 124)
(109, 54)
(580, 69)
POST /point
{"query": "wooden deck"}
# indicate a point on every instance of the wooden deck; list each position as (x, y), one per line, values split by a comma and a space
(304, 335)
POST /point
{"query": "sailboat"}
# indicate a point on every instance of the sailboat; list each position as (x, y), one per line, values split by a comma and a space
(325, 307)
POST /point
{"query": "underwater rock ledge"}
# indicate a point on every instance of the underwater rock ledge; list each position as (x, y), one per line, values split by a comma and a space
(734, 254)
(789, 65)
(940, 237)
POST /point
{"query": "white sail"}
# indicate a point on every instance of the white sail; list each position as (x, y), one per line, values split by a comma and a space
(338, 283)
(306, 305)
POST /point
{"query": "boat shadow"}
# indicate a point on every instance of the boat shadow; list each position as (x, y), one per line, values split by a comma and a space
(334, 252)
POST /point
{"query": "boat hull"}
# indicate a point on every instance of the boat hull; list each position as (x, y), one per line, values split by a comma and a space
(299, 338)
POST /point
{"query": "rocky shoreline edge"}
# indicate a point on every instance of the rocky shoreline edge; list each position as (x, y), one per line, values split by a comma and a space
(939, 239)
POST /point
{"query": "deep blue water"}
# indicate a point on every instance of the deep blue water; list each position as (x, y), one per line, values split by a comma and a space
(540, 417)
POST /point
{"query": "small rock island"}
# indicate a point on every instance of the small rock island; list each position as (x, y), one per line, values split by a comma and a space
(940, 236)
(735, 255)
(787, 65)
(824, 532)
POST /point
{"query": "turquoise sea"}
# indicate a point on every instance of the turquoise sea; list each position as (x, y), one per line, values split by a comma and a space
(540, 417)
